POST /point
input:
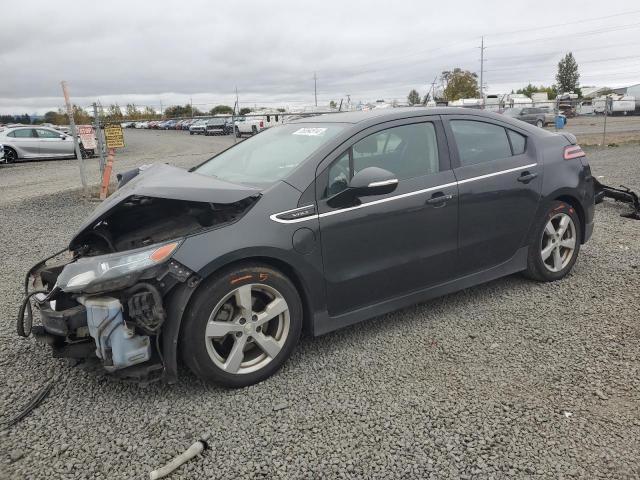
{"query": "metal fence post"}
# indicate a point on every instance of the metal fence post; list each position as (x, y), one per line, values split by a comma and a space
(96, 124)
(604, 130)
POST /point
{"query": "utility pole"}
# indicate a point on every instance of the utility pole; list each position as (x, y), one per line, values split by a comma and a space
(191, 102)
(315, 87)
(74, 133)
(482, 47)
(160, 108)
(237, 102)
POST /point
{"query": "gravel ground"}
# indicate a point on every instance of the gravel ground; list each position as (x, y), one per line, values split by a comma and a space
(508, 379)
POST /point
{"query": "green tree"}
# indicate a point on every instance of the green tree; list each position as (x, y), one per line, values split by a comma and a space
(568, 76)
(332, 104)
(282, 110)
(414, 97)
(149, 113)
(114, 113)
(176, 111)
(221, 109)
(245, 111)
(530, 89)
(459, 84)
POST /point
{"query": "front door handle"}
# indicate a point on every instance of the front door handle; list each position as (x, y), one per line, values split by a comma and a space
(439, 198)
(526, 177)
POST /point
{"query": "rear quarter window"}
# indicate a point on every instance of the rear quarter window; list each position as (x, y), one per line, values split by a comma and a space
(518, 142)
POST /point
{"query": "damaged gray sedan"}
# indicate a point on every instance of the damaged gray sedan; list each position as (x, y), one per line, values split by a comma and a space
(313, 225)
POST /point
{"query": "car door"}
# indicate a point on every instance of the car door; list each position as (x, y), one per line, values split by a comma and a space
(25, 142)
(526, 116)
(388, 245)
(499, 182)
(54, 144)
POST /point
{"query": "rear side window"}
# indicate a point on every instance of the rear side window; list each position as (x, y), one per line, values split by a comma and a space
(480, 142)
(518, 142)
(22, 133)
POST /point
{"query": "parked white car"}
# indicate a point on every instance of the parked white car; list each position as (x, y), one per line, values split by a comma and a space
(255, 124)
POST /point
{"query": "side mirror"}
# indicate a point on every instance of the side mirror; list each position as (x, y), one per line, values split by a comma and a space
(63, 137)
(367, 182)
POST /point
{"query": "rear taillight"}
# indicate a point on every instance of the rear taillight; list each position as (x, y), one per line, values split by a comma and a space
(261, 124)
(573, 151)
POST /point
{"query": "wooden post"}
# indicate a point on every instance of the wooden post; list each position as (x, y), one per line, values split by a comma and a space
(106, 178)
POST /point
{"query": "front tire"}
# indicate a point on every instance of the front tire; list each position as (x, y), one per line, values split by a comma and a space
(10, 155)
(242, 326)
(556, 243)
(539, 124)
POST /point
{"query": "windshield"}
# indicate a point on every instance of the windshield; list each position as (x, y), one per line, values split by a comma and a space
(270, 155)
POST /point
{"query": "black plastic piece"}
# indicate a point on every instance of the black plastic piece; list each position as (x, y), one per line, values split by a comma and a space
(63, 322)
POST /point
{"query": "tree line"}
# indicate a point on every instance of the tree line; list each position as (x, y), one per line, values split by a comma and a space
(458, 83)
(115, 113)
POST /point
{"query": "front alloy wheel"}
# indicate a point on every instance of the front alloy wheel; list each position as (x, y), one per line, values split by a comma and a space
(247, 329)
(242, 325)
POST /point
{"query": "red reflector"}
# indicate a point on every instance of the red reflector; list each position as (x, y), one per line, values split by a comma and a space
(573, 151)
(261, 124)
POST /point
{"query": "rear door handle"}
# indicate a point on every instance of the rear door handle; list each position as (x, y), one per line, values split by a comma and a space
(526, 177)
(439, 198)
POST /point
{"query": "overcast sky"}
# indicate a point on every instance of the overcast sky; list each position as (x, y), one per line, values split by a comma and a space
(149, 52)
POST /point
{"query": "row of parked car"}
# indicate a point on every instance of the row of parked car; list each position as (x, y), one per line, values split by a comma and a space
(219, 125)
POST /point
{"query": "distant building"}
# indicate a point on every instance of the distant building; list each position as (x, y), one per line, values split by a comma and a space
(633, 90)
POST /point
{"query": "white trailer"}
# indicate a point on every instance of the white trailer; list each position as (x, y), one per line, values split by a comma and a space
(620, 104)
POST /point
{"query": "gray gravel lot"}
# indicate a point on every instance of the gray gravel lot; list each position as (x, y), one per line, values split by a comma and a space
(509, 379)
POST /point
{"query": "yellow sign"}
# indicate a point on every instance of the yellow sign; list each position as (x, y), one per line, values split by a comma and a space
(113, 135)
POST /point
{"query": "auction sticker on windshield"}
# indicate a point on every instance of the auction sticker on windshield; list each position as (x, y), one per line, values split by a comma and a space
(310, 132)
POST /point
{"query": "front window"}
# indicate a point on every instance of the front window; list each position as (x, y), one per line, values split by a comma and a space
(270, 156)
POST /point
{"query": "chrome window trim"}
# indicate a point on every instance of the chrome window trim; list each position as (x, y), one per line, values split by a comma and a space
(488, 175)
(395, 197)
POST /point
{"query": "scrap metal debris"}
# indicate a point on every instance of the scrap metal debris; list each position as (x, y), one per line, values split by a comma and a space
(622, 194)
(35, 401)
(195, 449)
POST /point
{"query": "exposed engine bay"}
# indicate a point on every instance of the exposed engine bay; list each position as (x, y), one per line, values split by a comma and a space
(142, 221)
(104, 299)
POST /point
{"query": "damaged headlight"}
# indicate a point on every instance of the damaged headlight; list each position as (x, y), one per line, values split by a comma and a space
(115, 270)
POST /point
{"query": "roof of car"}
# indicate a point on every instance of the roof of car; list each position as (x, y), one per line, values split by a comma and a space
(387, 114)
(393, 113)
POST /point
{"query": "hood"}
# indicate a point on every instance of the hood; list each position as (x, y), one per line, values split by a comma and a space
(167, 182)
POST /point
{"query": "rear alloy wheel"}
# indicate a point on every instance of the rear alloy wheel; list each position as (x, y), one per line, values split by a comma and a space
(555, 248)
(10, 155)
(242, 327)
(539, 124)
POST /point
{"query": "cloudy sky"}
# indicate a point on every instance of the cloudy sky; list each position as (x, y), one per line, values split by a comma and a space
(153, 52)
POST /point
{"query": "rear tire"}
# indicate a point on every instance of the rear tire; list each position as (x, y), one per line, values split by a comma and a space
(242, 325)
(254, 129)
(555, 245)
(238, 134)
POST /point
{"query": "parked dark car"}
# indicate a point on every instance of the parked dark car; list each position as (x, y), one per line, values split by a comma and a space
(218, 126)
(312, 225)
(533, 115)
